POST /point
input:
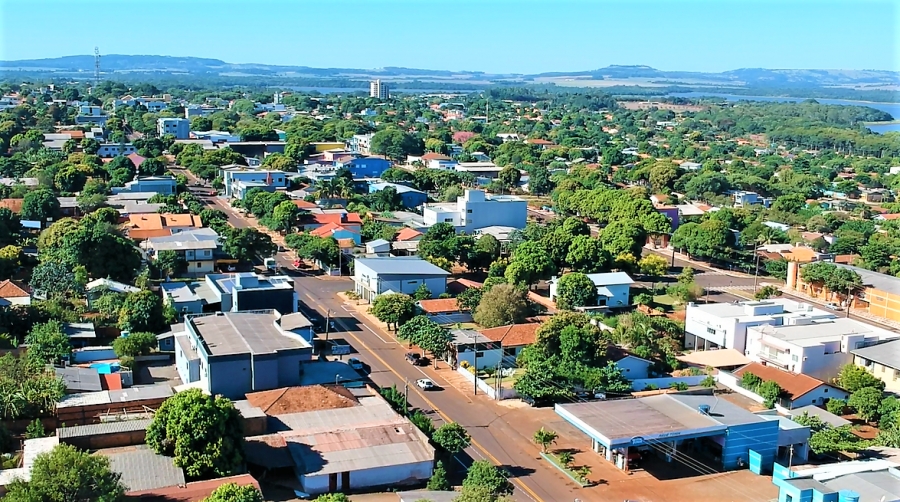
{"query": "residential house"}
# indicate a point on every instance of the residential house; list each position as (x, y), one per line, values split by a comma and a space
(799, 389)
(367, 167)
(165, 185)
(14, 293)
(724, 359)
(96, 288)
(238, 292)
(410, 197)
(690, 166)
(79, 379)
(613, 289)
(743, 198)
(349, 221)
(407, 234)
(197, 246)
(374, 276)
(438, 161)
(80, 334)
(882, 361)
(512, 339)
(378, 247)
(473, 348)
(476, 210)
(337, 231)
(633, 367)
(91, 115)
(234, 353)
(108, 150)
(141, 469)
(177, 127)
(818, 348)
(483, 169)
(724, 325)
(238, 180)
(360, 143)
(879, 295)
(144, 226)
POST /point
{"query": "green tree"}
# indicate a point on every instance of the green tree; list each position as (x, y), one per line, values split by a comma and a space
(35, 430)
(503, 304)
(477, 493)
(395, 144)
(623, 236)
(393, 309)
(485, 474)
(831, 440)
(10, 261)
(767, 292)
(422, 421)
(469, 299)
(770, 391)
(438, 480)
(203, 433)
(67, 474)
(245, 244)
(422, 292)
(530, 263)
(545, 438)
(853, 378)
(509, 177)
(575, 290)
(866, 402)
(452, 437)
(836, 406)
(232, 492)
(142, 311)
(539, 182)
(425, 333)
(135, 344)
(170, 263)
(285, 216)
(39, 205)
(48, 342)
(586, 254)
(653, 265)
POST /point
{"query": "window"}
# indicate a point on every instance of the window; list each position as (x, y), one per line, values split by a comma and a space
(448, 220)
(710, 331)
(896, 375)
(199, 264)
(795, 358)
(469, 211)
(479, 354)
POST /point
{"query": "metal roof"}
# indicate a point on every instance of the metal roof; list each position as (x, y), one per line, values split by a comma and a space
(80, 379)
(401, 266)
(141, 392)
(295, 320)
(142, 469)
(104, 428)
(879, 485)
(886, 354)
(230, 333)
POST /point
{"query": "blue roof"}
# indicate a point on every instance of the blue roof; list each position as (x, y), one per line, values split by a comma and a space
(400, 188)
(401, 266)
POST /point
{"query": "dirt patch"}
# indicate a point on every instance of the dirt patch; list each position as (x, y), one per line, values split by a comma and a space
(300, 399)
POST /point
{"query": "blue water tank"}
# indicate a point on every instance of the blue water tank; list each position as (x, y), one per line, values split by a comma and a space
(848, 496)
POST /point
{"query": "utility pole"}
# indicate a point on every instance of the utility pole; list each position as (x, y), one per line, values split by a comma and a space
(475, 380)
(406, 395)
(791, 457)
(756, 270)
(849, 301)
(327, 324)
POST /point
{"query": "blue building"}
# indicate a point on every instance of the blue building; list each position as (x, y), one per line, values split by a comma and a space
(233, 353)
(410, 196)
(701, 426)
(375, 276)
(367, 167)
(872, 480)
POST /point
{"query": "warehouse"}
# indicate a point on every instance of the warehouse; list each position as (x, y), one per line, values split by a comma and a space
(674, 427)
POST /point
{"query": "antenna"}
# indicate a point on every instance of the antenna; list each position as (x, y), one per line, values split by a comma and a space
(96, 67)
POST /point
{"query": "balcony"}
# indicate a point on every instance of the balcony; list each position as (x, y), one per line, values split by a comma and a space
(773, 360)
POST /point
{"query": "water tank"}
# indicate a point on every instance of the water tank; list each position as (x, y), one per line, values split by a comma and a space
(848, 496)
(704, 409)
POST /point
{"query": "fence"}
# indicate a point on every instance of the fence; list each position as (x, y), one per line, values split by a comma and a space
(731, 381)
(487, 388)
(666, 382)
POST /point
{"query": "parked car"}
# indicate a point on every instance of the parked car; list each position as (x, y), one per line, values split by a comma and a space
(425, 384)
(834, 306)
(414, 359)
(541, 402)
(355, 364)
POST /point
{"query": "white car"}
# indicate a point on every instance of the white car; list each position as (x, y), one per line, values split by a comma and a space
(834, 306)
(425, 384)
(355, 363)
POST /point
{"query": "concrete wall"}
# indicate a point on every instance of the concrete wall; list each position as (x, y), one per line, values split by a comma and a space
(886, 374)
(664, 383)
(634, 368)
(486, 358)
(289, 365)
(265, 372)
(114, 440)
(394, 475)
(230, 377)
(506, 393)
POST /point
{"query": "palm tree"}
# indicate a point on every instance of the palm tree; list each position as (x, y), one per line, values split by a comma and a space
(583, 472)
(545, 438)
(565, 458)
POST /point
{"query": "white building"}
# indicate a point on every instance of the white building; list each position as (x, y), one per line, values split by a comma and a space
(115, 149)
(360, 143)
(180, 128)
(613, 289)
(476, 210)
(724, 325)
(378, 89)
(814, 347)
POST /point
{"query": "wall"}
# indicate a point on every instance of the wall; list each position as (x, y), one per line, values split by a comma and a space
(486, 358)
(281, 300)
(90, 354)
(393, 475)
(506, 393)
(289, 365)
(620, 296)
(664, 383)
(761, 437)
(489, 213)
(230, 376)
(114, 440)
(886, 374)
(731, 381)
(265, 371)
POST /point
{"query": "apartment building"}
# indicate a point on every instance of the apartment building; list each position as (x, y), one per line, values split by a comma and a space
(476, 210)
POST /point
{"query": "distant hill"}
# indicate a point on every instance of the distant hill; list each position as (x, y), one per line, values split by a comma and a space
(744, 77)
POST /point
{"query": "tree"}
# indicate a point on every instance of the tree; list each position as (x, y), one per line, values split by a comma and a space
(575, 290)
(393, 309)
(623, 236)
(422, 292)
(285, 216)
(142, 311)
(586, 254)
(48, 342)
(539, 182)
(245, 244)
(853, 378)
(662, 176)
(438, 480)
(170, 263)
(67, 474)
(135, 344)
(866, 402)
(469, 299)
(395, 144)
(485, 252)
(565, 458)
(203, 433)
(770, 391)
(544, 438)
(232, 492)
(10, 261)
(767, 292)
(504, 304)
(452, 437)
(653, 265)
(477, 493)
(836, 406)
(485, 474)
(40, 204)
(530, 263)
(332, 497)
(831, 440)
(425, 333)
(509, 177)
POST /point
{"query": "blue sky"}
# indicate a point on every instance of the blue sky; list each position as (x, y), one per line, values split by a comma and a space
(523, 36)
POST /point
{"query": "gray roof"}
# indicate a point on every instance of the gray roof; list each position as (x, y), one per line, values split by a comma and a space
(119, 287)
(104, 428)
(142, 469)
(871, 486)
(80, 330)
(295, 320)
(141, 392)
(201, 238)
(824, 415)
(400, 188)
(231, 333)
(377, 243)
(886, 354)
(325, 372)
(886, 283)
(430, 496)
(608, 279)
(80, 379)
(720, 410)
(401, 266)
(180, 291)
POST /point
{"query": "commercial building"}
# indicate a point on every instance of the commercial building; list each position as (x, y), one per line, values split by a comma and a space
(724, 325)
(165, 185)
(180, 128)
(667, 425)
(197, 247)
(232, 293)
(366, 167)
(817, 348)
(239, 179)
(233, 353)
(378, 89)
(410, 197)
(375, 276)
(613, 289)
(879, 295)
(882, 361)
(476, 210)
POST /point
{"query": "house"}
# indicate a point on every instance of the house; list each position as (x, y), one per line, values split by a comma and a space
(879, 295)
(512, 339)
(91, 115)
(243, 291)
(165, 185)
(488, 170)
(339, 439)
(379, 247)
(197, 247)
(690, 166)
(108, 150)
(143, 226)
(80, 334)
(632, 366)
(374, 276)
(31, 449)
(473, 348)
(475, 210)
(367, 167)
(239, 179)
(799, 389)
(14, 293)
(438, 161)
(194, 491)
(233, 353)
(407, 234)
(349, 221)
(410, 197)
(142, 469)
(882, 361)
(179, 128)
(618, 429)
(818, 348)
(438, 306)
(612, 289)
(724, 325)
(337, 231)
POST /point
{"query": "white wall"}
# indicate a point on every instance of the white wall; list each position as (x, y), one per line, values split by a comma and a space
(666, 382)
(393, 475)
(507, 392)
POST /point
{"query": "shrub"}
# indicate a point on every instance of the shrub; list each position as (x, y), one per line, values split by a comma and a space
(836, 406)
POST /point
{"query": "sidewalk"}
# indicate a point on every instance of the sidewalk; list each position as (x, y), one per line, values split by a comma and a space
(667, 253)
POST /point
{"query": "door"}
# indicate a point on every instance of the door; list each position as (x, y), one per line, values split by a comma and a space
(332, 482)
(345, 481)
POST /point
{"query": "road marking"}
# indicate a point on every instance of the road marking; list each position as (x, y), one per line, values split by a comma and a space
(516, 481)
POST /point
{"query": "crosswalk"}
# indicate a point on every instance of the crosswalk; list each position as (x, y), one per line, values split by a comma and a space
(748, 287)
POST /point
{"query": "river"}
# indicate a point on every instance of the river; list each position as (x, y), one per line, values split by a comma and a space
(892, 108)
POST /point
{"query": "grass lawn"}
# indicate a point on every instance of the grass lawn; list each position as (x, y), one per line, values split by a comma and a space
(551, 457)
(506, 381)
(664, 300)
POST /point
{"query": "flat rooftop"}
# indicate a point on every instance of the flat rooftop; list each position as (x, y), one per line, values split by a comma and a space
(823, 330)
(742, 311)
(232, 333)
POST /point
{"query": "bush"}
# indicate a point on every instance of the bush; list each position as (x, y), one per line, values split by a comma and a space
(836, 406)
(750, 381)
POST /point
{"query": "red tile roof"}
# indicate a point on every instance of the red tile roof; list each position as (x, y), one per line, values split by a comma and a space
(136, 159)
(329, 228)
(514, 335)
(302, 204)
(434, 156)
(407, 234)
(13, 289)
(439, 305)
(323, 219)
(14, 205)
(795, 384)
(460, 285)
(191, 492)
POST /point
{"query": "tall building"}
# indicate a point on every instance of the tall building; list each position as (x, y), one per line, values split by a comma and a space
(379, 90)
(180, 128)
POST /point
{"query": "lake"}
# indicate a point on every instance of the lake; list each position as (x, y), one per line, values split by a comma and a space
(892, 108)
